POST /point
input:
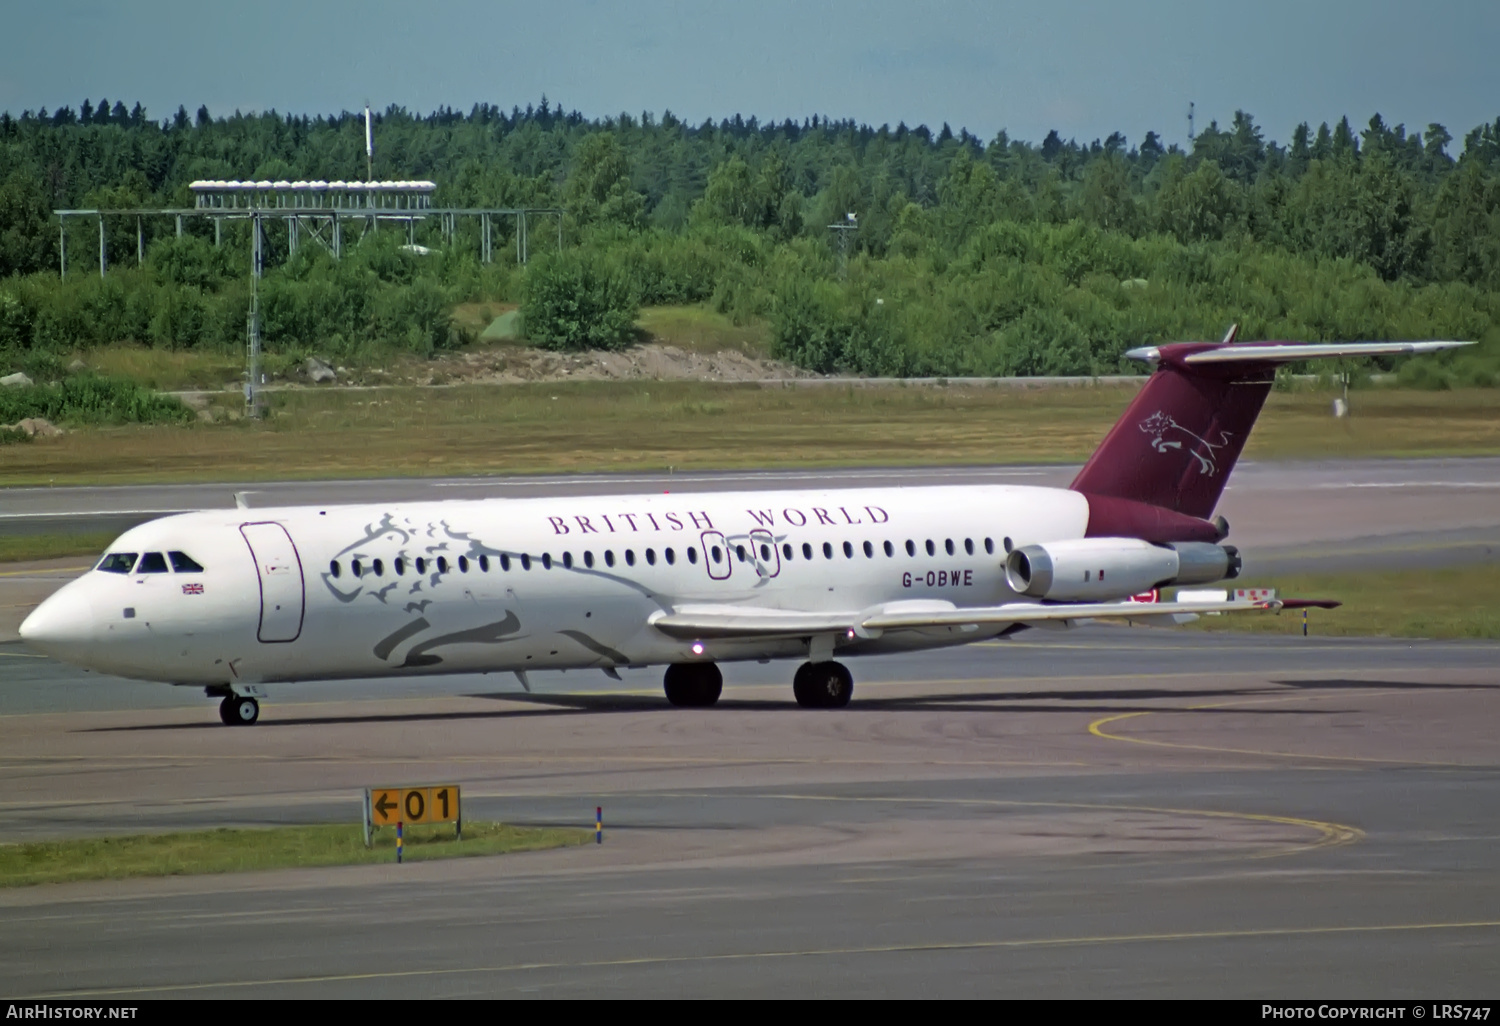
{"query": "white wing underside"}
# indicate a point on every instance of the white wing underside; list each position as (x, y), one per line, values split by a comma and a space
(740, 623)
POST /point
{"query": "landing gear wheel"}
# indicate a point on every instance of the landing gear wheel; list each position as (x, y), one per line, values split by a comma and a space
(823, 686)
(693, 685)
(238, 711)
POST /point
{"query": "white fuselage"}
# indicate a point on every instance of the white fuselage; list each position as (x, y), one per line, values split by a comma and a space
(309, 593)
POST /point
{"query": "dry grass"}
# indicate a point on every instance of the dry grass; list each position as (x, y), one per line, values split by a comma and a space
(168, 370)
(592, 426)
(238, 851)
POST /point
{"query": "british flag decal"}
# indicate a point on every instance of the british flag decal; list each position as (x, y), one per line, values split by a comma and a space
(192, 589)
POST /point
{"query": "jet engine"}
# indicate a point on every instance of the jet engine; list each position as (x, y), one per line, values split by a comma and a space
(1100, 569)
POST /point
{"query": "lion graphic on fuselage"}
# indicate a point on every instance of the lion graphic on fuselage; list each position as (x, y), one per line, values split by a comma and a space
(1159, 423)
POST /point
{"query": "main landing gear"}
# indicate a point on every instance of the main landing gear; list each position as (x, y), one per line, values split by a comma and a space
(823, 685)
(693, 685)
(826, 685)
(238, 710)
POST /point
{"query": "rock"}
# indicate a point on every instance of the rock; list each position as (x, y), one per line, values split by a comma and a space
(76, 366)
(16, 380)
(35, 427)
(317, 371)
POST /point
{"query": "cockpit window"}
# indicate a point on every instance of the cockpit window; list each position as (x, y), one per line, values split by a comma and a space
(152, 563)
(117, 563)
(182, 563)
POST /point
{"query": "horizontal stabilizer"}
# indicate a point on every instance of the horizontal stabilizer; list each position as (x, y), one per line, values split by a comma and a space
(1285, 352)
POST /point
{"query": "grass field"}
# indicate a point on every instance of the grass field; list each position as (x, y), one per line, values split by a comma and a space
(17, 547)
(602, 426)
(1458, 602)
(231, 851)
(702, 330)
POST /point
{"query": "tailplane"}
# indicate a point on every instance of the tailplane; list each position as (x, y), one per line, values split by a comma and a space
(1179, 439)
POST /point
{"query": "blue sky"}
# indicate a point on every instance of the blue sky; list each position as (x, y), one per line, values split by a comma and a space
(1085, 69)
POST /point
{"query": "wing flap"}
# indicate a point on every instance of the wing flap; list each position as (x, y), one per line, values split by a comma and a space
(751, 624)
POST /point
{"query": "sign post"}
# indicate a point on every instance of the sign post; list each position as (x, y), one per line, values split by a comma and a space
(395, 806)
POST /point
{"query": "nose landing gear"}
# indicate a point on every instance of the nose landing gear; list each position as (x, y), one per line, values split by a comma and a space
(238, 710)
(823, 685)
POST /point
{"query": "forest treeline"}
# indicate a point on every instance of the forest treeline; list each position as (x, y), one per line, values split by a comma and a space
(969, 257)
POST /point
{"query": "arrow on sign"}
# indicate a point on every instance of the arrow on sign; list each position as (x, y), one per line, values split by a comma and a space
(384, 806)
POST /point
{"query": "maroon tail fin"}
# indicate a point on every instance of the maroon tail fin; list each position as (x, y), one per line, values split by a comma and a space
(1179, 439)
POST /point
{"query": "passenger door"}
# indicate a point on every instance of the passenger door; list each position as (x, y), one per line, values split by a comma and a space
(282, 592)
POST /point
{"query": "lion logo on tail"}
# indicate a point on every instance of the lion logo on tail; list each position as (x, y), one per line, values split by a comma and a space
(1159, 425)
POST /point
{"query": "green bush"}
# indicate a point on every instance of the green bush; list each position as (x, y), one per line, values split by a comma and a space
(574, 301)
(91, 399)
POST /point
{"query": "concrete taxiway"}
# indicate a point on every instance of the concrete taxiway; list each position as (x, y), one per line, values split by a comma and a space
(1112, 812)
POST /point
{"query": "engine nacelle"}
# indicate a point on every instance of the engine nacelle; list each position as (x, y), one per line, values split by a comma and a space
(1101, 569)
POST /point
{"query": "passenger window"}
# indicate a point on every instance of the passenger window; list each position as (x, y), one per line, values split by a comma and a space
(463, 564)
(504, 562)
(630, 557)
(118, 563)
(765, 552)
(827, 550)
(182, 563)
(546, 561)
(931, 549)
(670, 556)
(588, 560)
(152, 563)
(911, 547)
(718, 556)
(525, 561)
(1008, 546)
(400, 565)
(421, 565)
(567, 560)
(359, 571)
(739, 550)
(609, 557)
(484, 564)
(379, 568)
(786, 551)
(651, 556)
(890, 550)
(969, 546)
(948, 546)
(442, 564)
(869, 551)
(989, 546)
(806, 551)
(334, 569)
(848, 551)
(692, 554)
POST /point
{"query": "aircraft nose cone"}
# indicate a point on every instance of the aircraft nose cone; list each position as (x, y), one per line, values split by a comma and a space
(62, 622)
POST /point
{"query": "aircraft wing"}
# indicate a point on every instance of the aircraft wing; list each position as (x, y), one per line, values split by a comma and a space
(731, 623)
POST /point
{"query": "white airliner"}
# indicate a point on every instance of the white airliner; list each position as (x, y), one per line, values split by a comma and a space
(231, 599)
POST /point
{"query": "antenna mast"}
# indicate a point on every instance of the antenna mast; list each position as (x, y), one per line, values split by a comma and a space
(1191, 136)
(369, 145)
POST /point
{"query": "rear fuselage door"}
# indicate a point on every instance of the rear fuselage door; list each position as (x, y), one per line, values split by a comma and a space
(279, 568)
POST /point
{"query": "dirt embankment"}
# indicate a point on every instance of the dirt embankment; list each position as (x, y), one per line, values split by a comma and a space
(649, 362)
